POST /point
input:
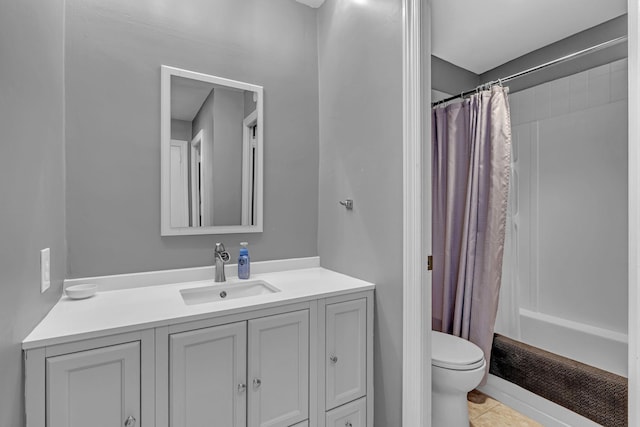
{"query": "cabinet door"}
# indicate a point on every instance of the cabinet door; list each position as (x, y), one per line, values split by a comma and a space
(279, 369)
(207, 374)
(346, 352)
(352, 414)
(98, 388)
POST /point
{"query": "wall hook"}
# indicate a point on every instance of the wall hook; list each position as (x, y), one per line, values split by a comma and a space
(348, 203)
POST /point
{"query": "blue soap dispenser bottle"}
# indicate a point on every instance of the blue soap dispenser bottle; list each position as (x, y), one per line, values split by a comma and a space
(243, 262)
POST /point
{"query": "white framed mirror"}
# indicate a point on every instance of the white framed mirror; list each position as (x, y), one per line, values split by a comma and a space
(211, 154)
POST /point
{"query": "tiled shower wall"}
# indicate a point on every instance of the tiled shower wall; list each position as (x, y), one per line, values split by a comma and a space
(570, 153)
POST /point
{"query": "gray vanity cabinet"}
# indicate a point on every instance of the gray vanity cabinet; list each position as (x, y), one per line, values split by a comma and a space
(353, 414)
(279, 369)
(347, 360)
(214, 380)
(99, 382)
(99, 387)
(207, 376)
(308, 363)
(346, 352)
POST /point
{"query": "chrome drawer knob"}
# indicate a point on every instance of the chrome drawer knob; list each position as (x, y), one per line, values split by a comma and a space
(348, 424)
(333, 358)
(257, 383)
(242, 388)
(130, 421)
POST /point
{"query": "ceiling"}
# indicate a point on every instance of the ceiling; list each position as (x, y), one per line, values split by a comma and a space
(312, 3)
(187, 96)
(480, 35)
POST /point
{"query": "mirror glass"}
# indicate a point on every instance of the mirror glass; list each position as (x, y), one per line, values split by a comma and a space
(211, 154)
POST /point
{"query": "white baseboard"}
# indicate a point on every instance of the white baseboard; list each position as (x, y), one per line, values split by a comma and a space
(533, 406)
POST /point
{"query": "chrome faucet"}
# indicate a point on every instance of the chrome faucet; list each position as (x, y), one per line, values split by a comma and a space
(222, 257)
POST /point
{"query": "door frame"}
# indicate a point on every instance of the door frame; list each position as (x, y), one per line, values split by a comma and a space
(416, 313)
(416, 381)
(184, 196)
(248, 177)
(633, 32)
(197, 151)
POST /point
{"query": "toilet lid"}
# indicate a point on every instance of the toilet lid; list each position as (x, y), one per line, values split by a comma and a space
(451, 352)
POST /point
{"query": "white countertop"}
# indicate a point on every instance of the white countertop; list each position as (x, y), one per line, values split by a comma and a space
(126, 310)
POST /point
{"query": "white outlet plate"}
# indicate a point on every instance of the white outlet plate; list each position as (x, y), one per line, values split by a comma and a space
(45, 269)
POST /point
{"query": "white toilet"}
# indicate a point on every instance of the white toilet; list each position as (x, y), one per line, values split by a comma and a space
(457, 367)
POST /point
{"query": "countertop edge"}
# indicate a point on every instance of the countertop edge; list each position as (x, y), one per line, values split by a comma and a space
(30, 344)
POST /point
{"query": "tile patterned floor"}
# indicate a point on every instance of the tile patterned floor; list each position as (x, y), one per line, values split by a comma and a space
(487, 412)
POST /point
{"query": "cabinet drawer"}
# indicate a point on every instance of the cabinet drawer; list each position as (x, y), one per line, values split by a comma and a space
(346, 352)
(352, 414)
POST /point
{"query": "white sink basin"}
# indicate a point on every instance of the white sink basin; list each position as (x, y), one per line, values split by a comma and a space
(226, 291)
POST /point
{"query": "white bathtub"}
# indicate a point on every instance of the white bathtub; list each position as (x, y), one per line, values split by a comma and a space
(594, 346)
(597, 347)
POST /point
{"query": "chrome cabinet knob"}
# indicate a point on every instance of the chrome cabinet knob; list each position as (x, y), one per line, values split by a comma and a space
(333, 358)
(130, 421)
(348, 424)
(257, 383)
(242, 388)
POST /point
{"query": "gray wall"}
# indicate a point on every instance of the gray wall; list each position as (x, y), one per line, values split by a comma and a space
(181, 129)
(203, 121)
(113, 55)
(360, 63)
(449, 78)
(600, 33)
(31, 180)
(228, 114)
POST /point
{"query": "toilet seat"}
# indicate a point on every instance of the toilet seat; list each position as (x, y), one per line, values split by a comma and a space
(455, 353)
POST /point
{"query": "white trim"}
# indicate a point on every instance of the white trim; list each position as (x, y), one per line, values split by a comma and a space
(219, 81)
(194, 274)
(633, 29)
(165, 135)
(184, 203)
(165, 155)
(576, 326)
(248, 197)
(260, 160)
(416, 340)
(533, 406)
(196, 152)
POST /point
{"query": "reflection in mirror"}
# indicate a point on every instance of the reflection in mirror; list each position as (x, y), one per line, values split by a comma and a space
(212, 154)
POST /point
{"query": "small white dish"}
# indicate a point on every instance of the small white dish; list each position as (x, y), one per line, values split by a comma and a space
(81, 291)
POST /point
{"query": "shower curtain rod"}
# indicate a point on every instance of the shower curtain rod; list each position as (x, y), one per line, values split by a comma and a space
(577, 54)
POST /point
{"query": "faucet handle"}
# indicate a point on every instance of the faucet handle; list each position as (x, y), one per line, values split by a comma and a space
(222, 253)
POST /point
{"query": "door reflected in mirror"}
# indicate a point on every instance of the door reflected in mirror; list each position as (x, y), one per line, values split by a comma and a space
(212, 154)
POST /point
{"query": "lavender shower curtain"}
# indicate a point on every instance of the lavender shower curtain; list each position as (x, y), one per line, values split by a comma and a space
(470, 183)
